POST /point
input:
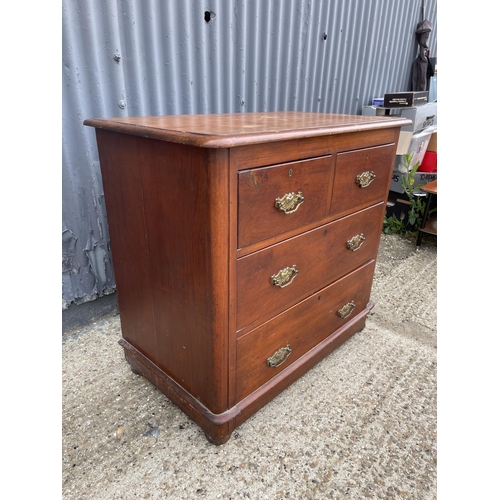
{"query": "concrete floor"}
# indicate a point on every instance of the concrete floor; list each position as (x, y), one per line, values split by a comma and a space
(361, 424)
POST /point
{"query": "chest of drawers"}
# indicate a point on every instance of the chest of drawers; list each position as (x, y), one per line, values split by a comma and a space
(244, 247)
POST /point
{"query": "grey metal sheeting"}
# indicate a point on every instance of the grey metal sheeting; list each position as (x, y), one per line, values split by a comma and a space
(137, 58)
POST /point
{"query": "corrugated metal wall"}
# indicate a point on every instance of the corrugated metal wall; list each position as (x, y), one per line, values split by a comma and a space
(152, 57)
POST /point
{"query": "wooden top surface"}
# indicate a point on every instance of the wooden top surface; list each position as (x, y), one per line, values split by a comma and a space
(432, 187)
(238, 129)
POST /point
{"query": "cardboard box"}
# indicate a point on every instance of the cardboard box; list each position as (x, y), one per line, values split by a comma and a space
(433, 143)
(404, 142)
(406, 99)
(420, 179)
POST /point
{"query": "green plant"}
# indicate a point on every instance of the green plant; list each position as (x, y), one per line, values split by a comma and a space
(401, 226)
(393, 224)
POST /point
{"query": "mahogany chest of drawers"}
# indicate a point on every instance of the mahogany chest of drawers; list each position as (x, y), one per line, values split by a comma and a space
(244, 247)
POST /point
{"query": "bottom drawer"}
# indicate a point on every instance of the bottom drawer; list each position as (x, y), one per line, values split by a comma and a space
(275, 345)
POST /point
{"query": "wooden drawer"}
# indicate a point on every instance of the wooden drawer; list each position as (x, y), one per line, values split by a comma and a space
(369, 167)
(259, 188)
(320, 256)
(299, 329)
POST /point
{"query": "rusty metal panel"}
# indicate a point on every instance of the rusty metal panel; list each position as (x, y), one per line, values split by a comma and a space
(138, 57)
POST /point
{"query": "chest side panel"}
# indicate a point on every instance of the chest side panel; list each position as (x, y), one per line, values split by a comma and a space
(123, 195)
(184, 257)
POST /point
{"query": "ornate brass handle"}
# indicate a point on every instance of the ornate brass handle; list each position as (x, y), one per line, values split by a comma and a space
(284, 277)
(290, 202)
(355, 242)
(346, 310)
(365, 179)
(279, 357)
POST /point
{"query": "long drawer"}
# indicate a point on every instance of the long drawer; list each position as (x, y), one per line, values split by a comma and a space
(278, 198)
(267, 350)
(362, 177)
(279, 276)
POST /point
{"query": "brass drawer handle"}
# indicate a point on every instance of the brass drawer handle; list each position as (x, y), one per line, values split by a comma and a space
(365, 179)
(355, 242)
(290, 202)
(279, 357)
(284, 277)
(346, 310)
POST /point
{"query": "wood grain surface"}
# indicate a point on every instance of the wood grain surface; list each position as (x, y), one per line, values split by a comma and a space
(236, 129)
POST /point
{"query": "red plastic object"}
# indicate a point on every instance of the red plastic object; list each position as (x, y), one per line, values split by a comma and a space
(429, 162)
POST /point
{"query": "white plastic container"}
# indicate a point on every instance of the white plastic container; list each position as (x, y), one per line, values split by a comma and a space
(417, 148)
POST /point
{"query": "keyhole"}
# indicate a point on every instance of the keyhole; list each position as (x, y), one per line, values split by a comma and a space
(290, 172)
(326, 230)
(368, 156)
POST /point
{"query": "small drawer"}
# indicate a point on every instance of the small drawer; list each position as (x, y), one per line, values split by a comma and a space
(362, 177)
(279, 198)
(272, 279)
(266, 351)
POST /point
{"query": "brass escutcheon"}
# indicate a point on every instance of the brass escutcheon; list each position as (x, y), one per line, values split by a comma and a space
(279, 357)
(284, 277)
(289, 203)
(355, 242)
(346, 310)
(365, 179)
